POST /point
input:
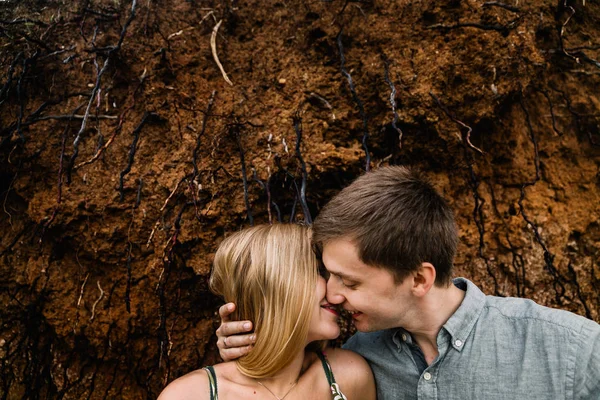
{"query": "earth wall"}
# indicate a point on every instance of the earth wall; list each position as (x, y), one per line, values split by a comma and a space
(134, 135)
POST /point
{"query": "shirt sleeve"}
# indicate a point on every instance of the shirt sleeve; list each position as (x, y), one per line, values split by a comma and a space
(587, 367)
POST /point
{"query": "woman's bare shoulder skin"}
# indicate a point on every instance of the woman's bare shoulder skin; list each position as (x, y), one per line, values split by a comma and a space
(352, 373)
(192, 386)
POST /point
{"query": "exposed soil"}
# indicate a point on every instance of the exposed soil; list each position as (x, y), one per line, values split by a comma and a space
(126, 157)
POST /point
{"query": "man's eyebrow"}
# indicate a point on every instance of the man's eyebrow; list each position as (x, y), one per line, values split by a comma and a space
(343, 276)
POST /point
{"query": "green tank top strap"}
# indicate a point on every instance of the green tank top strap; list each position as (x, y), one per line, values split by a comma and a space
(335, 388)
(326, 367)
(212, 379)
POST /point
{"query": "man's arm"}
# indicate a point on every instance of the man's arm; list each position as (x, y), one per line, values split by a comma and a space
(231, 340)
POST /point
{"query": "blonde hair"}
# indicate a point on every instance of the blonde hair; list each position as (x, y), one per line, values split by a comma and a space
(270, 273)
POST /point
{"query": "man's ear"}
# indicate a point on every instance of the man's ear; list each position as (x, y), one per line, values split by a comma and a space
(423, 279)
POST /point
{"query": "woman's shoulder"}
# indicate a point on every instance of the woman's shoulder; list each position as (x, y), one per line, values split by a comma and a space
(194, 385)
(352, 373)
(346, 358)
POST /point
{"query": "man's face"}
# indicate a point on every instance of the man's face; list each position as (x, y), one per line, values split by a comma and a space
(375, 300)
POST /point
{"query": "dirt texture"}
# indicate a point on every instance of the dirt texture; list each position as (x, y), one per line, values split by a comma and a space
(127, 154)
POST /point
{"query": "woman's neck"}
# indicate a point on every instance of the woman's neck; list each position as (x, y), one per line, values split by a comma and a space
(281, 383)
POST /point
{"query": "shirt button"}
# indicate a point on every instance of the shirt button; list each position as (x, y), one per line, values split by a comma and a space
(404, 337)
(427, 376)
(458, 343)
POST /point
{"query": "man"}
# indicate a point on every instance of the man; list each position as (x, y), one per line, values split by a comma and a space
(388, 242)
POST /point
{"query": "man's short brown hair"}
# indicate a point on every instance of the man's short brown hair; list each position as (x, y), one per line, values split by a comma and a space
(396, 219)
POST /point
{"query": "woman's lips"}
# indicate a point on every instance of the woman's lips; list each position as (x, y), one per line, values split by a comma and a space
(331, 308)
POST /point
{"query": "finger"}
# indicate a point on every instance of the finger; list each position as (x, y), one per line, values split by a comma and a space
(225, 311)
(233, 328)
(239, 341)
(234, 353)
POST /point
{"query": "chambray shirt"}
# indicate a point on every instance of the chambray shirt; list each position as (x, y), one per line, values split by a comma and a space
(491, 348)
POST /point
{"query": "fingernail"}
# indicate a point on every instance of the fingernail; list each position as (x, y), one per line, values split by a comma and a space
(247, 326)
(253, 338)
(230, 307)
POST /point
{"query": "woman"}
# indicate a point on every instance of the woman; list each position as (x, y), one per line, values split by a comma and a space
(270, 272)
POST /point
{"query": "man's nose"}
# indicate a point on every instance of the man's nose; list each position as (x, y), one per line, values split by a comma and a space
(333, 294)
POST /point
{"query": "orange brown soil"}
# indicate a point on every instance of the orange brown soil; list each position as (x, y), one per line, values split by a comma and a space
(104, 297)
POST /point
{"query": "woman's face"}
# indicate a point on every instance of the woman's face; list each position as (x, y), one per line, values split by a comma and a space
(323, 325)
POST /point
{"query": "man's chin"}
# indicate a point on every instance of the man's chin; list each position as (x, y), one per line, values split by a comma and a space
(362, 326)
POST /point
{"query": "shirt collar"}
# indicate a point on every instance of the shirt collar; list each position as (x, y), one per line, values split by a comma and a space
(461, 323)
